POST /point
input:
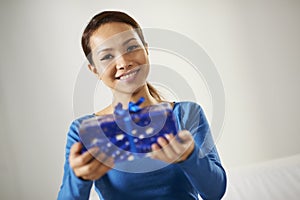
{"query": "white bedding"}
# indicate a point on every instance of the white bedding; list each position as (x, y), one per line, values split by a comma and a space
(277, 180)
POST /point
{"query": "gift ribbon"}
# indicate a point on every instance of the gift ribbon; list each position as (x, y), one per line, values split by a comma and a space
(125, 115)
(132, 107)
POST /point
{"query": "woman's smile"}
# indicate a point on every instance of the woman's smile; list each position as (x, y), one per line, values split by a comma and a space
(128, 76)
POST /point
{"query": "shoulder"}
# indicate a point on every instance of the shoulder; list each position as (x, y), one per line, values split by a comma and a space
(76, 122)
(190, 116)
(187, 107)
(189, 113)
(73, 133)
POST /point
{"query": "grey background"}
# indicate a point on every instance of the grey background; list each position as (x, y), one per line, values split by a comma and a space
(255, 46)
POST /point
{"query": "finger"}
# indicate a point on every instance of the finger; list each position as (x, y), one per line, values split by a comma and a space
(75, 149)
(155, 147)
(185, 146)
(84, 158)
(162, 142)
(175, 145)
(88, 169)
(156, 151)
(109, 164)
(167, 148)
(85, 171)
(74, 152)
(159, 155)
(99, 169)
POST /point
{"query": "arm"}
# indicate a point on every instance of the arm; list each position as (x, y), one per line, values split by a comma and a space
(73, 187)
(203, 166)
(195, 154)
(205, 174)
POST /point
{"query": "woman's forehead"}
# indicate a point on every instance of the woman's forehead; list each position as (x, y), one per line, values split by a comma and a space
(111, 33)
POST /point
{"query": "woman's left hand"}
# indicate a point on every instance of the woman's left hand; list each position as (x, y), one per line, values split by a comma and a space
(172, 150)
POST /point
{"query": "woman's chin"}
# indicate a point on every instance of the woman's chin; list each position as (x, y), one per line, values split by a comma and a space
(129, 89)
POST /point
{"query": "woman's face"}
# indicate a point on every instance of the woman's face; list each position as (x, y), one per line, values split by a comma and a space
(120, 57)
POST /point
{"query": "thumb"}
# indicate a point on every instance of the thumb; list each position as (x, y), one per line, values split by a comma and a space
(185, 136)
(76, 148)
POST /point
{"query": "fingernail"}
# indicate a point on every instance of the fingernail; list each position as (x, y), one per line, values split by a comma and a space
(110, 161)
(94, 150)
(154, 146)
(160, 139)
(101, 156)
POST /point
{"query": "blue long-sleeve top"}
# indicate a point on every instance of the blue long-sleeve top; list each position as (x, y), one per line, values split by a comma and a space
(201, 173)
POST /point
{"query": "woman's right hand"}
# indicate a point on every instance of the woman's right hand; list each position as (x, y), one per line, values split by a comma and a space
(85, 165)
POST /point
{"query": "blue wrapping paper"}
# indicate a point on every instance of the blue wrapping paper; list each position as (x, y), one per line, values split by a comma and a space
(128, 133)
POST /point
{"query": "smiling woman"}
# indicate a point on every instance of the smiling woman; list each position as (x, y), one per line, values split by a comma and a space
(119, 56)
(117, 52)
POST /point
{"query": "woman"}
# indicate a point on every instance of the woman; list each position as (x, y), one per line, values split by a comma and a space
(117, 52)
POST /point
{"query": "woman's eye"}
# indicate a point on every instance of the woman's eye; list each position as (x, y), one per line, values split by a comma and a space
(132, 47)
(107, 57)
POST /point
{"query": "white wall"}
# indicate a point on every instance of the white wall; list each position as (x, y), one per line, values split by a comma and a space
(255, 46)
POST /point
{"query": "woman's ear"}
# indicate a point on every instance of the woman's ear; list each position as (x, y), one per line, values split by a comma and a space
(93, 69)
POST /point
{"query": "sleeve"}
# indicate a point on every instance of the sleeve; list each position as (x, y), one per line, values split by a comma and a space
(203, 167)
(73, 187)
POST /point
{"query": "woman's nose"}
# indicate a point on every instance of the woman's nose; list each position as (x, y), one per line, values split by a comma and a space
(122, 62)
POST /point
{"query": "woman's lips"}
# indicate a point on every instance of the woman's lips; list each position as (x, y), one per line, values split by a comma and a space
(128, 75)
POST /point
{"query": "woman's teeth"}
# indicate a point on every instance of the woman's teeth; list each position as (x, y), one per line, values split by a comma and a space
(128, 75)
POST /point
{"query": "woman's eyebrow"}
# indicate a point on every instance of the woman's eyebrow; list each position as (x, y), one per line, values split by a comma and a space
(101, 50)
(127, 41)
(110, 49)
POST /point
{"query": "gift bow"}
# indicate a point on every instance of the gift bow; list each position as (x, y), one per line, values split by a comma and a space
(125, 115)
(132, 107)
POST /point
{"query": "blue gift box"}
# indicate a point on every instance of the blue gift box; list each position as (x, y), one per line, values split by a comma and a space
(127, 135)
